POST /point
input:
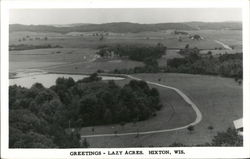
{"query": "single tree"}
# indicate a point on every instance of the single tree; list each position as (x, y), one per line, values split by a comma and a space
(190, 128)
(115, 132)
(93, 130)
(84, 143)
(210, 127)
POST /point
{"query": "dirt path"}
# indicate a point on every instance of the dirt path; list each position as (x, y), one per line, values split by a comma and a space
(185, 98)
(224, 45)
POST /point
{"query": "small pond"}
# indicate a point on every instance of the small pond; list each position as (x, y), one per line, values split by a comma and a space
(47, 80)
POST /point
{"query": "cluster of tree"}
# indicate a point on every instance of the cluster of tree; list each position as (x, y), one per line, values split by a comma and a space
(35, 119)
(139, 69)
(31, 47)
(187, 50)
(136, 53)
(100, 35)
(39, 117)
(91, 101)
(195, 37)
(27, 37)
(229, 137)
(146, 54)
(227, 65)
(180, 32)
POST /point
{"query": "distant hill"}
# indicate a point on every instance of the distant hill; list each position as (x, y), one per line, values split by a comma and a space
(123, 27)
(215, 25)
(70, 25)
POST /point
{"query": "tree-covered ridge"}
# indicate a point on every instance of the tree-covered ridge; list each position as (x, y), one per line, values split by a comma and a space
(40, 116)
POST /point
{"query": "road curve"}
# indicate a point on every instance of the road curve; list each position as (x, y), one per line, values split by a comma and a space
(188, 100)
(223, 44)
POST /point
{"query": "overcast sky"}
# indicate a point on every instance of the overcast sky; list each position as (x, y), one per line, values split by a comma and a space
(68, 16)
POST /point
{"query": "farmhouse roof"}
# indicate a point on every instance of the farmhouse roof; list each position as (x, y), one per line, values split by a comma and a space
(238, 123)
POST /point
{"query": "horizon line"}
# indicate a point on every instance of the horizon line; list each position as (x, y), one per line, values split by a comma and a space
(131, 22)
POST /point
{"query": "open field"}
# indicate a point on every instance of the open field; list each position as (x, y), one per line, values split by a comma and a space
(65, 59)
(219, 110)
(229, 37)
(79, 48)
(87, 40)
(94, 66)
(90, 42)
(40, 58)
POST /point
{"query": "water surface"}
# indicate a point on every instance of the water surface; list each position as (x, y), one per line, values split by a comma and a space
(47, 80)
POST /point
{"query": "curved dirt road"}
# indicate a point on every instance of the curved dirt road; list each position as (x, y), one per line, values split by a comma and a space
(188, 100)
(223, 44)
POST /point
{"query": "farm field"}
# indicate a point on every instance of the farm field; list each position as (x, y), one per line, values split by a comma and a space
(223, 106)
(229, 37)
(87, 40)
(42, 58)
(70, 60)
(79, 48)
(94, 66)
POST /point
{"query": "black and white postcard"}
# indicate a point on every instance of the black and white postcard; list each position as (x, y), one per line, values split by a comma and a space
(152, 79)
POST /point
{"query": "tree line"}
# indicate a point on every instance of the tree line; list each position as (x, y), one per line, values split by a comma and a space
(20, 47)
(225, 65)
(133, 52)
(146, 54)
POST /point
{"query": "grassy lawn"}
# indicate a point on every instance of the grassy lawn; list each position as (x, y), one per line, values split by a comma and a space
(219, 100)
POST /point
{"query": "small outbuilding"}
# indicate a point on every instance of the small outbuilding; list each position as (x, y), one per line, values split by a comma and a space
(238, 124)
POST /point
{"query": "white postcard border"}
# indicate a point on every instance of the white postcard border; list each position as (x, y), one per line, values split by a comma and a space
(190, 152)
